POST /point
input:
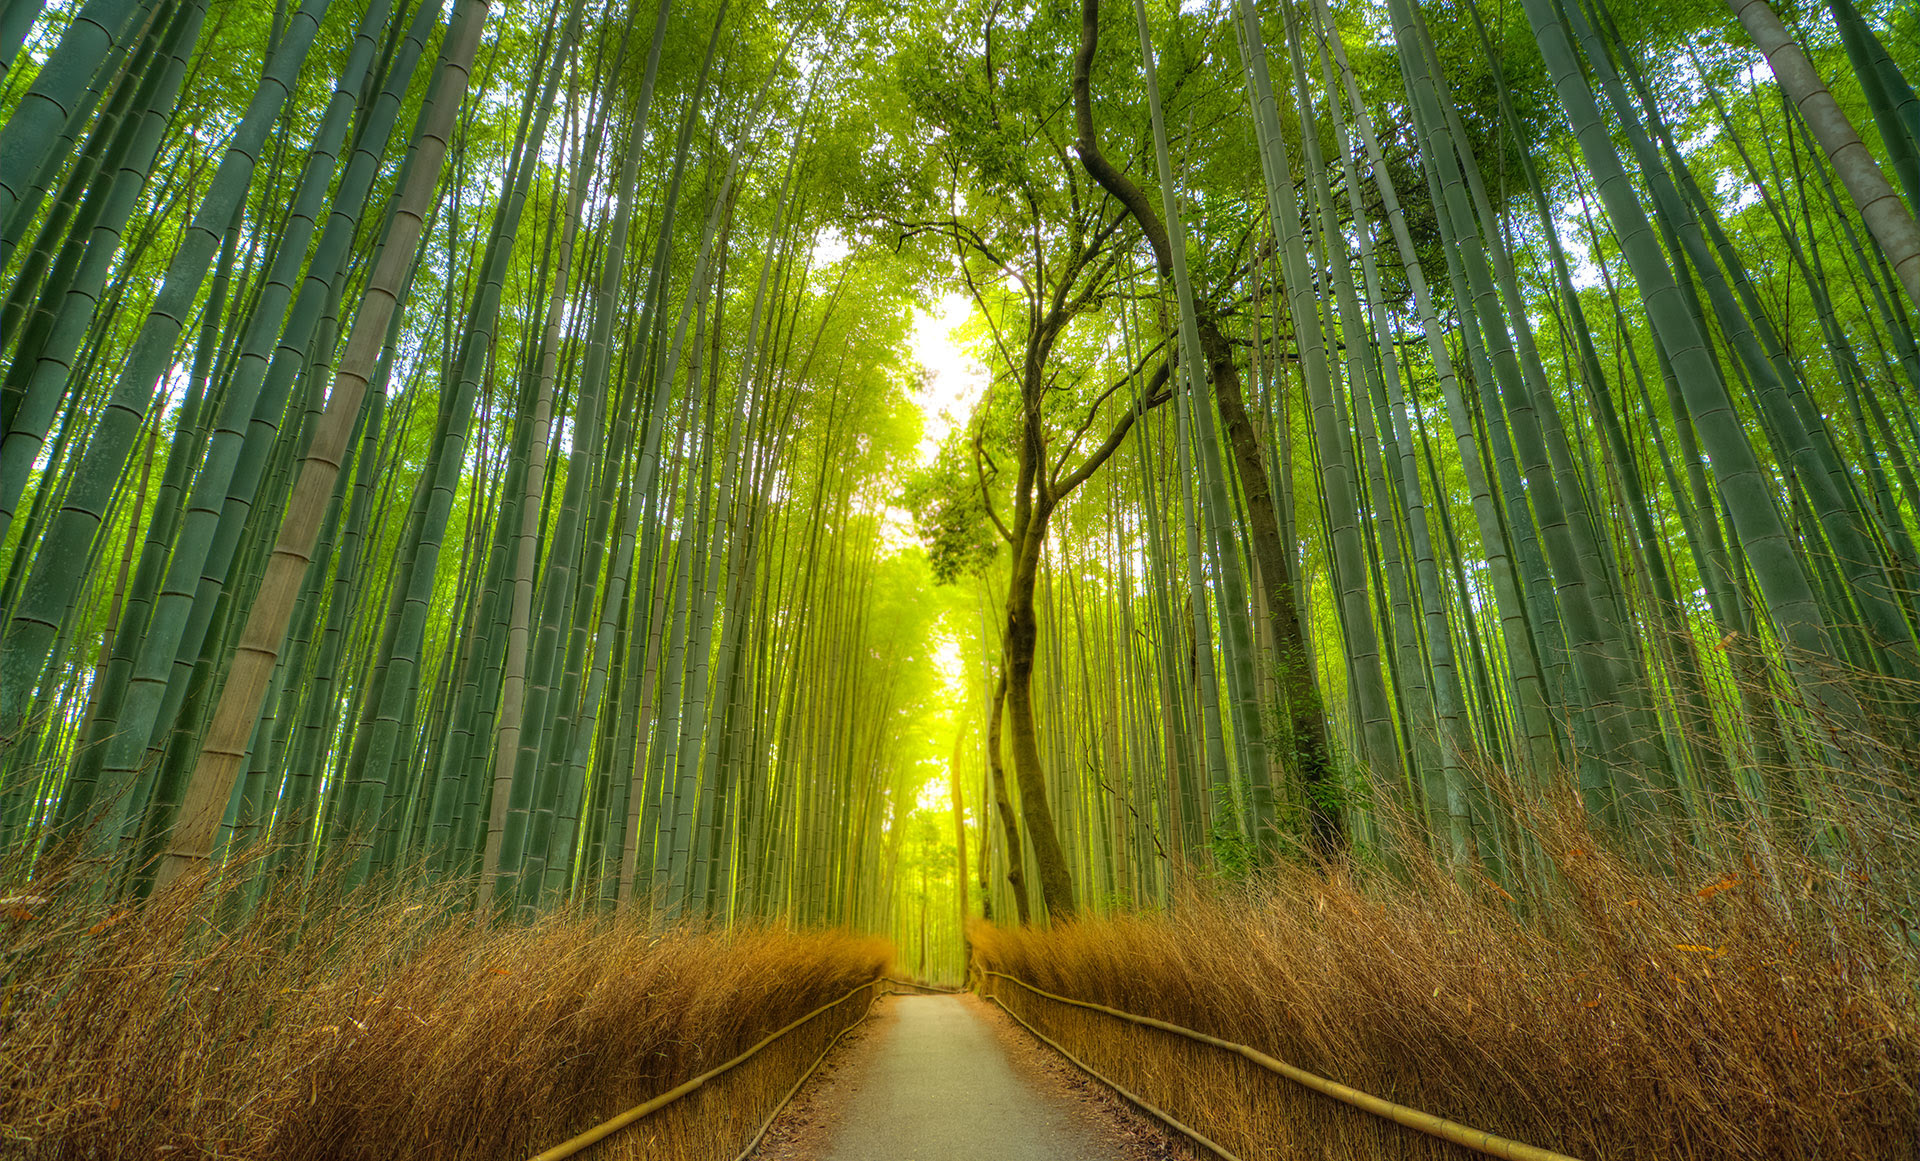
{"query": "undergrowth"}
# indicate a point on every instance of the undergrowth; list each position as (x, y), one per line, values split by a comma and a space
(349, 1025)
(1759, 1004)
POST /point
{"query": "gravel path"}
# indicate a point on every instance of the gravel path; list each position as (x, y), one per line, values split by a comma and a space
(949, 1078)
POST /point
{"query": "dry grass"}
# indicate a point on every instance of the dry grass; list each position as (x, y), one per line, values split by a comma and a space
(1708, 1012)
(346, 1026)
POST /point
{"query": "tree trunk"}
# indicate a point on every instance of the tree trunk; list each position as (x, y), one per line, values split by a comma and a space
(1003, 802)
(960, 838)
(1023, 632)
(1306, 720)
(1306, 727)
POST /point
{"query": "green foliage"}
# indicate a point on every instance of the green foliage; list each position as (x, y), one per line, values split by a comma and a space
(736, 663)
(950, 514)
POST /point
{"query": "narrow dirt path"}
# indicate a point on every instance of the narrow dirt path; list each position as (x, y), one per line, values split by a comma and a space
(949, 1078)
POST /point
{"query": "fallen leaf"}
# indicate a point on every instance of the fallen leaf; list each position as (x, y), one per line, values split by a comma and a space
(1725, 882)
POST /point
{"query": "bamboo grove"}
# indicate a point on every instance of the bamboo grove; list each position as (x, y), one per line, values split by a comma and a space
(473, 442)
(509, 324)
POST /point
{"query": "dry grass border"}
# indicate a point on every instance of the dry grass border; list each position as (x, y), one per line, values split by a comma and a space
(1627, 1014)
(336, 1026)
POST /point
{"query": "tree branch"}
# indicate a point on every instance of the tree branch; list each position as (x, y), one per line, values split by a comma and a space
(1093, 409)
(1088, 145)
(1153, 398)
(980, 473)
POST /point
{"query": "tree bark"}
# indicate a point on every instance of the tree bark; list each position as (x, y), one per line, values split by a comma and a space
(1003, 803)
(960, 838)
(1306, 720)
(1023, 633)
(1306, 726)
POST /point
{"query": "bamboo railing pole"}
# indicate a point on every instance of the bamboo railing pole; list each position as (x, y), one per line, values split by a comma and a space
(794, 1090)
(1136, 1098)
(1475, 1139)
(605, 1129)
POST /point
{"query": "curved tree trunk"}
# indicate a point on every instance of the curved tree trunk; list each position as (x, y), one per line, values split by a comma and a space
(1305, 729)
(1023, 632)
(1003, 803)
(1305, 735)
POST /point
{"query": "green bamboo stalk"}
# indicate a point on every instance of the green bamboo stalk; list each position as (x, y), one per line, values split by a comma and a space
(190, 839)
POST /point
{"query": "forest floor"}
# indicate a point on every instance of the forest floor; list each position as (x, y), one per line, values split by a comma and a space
(951, 1078)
